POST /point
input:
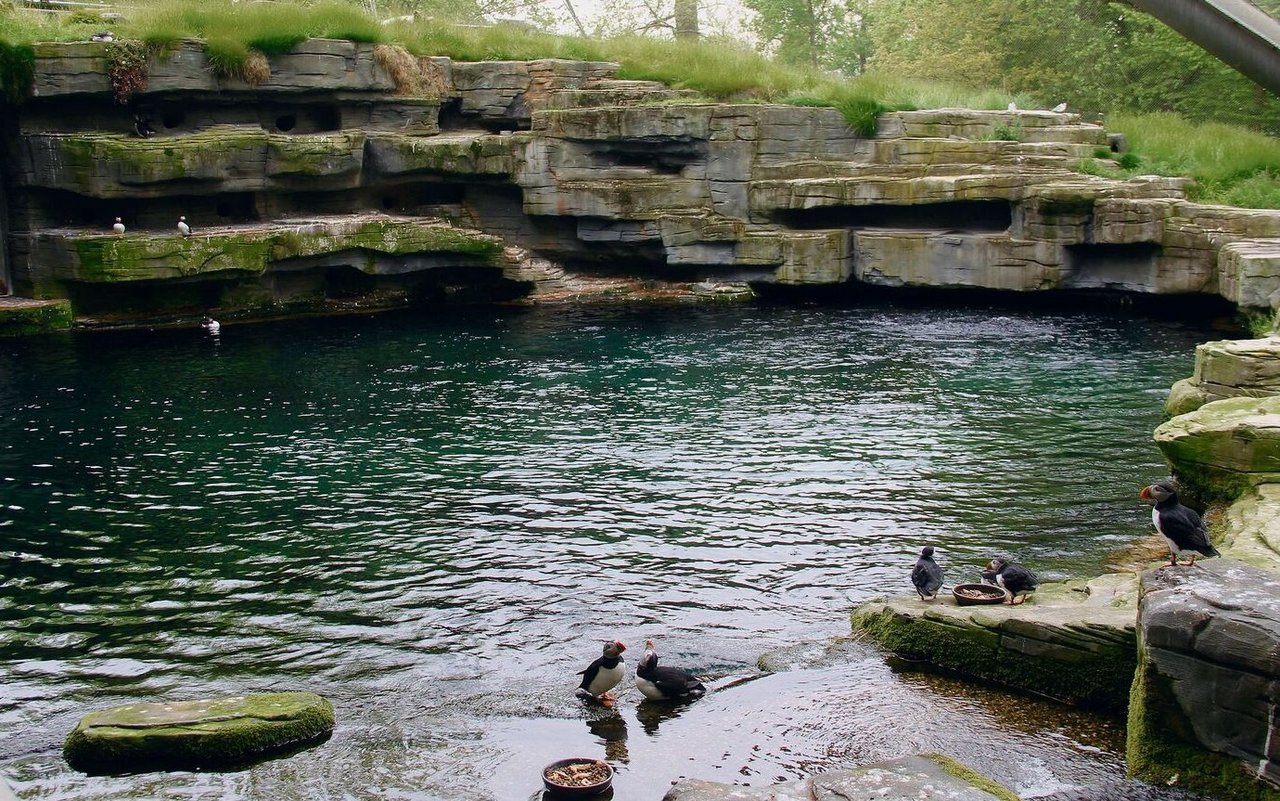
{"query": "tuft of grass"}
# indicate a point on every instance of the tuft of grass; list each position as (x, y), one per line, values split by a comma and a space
(1231, 165)
(17, 70)
(232, 31)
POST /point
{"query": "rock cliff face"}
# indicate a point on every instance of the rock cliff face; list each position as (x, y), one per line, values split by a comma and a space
(561, 161)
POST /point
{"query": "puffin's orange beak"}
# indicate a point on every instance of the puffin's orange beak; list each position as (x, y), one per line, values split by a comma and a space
(1145, 494)
(621, 647)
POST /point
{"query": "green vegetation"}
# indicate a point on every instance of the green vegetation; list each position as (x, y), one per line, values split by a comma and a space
(967, 774)
(909, 54)
(1230, 165)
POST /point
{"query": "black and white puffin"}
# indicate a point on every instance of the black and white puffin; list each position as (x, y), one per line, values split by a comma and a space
(1180, 526)
(926, 575)
(183, 228)
(664, 683)
(603, 675)
(1013, 578)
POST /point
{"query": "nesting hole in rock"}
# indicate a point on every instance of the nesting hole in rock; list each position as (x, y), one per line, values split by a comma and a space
(239, 207)
(1111, 266)
(286, 122)
(664, 158)
(419, 198)
(347, 282)
(172, 117)
(979, 216)
(451, 117)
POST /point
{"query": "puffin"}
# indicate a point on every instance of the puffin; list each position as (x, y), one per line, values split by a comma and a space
(664, 683)
(926, 575)
(210, 325)
(1013, 578)
(142, 127)
(1180, 526)
(183, 228)
(118, 227)
(603, 675)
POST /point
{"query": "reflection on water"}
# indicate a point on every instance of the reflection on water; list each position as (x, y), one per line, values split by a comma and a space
(435, 524)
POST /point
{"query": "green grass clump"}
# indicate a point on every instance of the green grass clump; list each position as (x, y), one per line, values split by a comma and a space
(18, 30)
(1231, 165)
(233, 31)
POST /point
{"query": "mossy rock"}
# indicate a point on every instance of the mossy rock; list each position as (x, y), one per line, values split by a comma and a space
(189, 735)
(1077, 653)
(1224, 447)
(25, 318)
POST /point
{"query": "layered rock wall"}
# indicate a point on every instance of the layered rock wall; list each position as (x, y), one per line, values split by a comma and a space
(625, 178)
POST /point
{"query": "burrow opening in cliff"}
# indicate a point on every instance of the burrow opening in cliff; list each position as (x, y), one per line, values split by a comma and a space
(661, 156)
(308, 119)
(1128, 267)
(977, 216)
(132, 298)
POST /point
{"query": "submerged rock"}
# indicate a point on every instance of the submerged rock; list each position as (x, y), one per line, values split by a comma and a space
(189, 735)
(930, 776)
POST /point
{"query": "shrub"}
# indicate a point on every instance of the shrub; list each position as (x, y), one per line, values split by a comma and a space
(127, 68)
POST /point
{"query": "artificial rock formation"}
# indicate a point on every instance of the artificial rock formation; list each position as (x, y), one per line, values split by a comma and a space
(620, 179)
(1228, 368)
(1072, 641)
(190, 735)
(1208, 683)
(931, 776)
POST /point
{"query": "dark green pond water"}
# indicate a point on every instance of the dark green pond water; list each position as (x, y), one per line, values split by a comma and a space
(435, 522)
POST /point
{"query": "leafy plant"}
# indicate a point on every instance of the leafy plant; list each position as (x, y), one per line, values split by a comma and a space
(1011, 133)
(17, 69)
(127, 68)
(1129, 161)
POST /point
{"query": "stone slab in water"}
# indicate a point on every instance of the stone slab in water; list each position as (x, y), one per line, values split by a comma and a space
(202, 734)
(1071, 641)
(907, 779)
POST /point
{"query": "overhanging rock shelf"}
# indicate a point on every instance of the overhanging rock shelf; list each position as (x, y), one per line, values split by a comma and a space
(590, 174)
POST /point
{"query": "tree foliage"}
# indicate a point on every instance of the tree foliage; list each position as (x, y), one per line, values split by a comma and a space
(817, 33)
(1098, 56)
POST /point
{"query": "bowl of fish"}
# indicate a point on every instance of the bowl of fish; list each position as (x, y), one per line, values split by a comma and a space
(974, 594)
(577, 777)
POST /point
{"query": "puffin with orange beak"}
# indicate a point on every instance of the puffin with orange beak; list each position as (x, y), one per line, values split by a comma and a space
(1180, 526)
(603, 675)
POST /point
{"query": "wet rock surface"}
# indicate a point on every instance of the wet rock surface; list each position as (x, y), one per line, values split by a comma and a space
(911, 778)
(1210, 675)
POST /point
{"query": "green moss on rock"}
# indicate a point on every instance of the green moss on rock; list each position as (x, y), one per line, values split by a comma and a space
(212, 733)
(1089, 668)
(145, 256)
(967, 774)
(1161, 747)
(34, 317)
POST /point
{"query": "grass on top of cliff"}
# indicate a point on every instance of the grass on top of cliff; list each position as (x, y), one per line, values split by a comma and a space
(1232, 166)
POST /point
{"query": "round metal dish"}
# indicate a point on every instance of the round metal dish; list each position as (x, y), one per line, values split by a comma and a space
(976, 594)
(577, 790)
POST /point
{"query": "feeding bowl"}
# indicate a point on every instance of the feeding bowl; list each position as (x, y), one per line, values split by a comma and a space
(577, 777)
(975, 594)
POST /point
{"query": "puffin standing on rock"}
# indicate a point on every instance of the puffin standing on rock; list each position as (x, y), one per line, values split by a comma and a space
(1013, 578)
(603, 675)
(1180, 526)
(926, 575)
(665, 683)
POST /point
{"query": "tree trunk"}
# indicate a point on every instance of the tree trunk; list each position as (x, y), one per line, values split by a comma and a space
(686, 19)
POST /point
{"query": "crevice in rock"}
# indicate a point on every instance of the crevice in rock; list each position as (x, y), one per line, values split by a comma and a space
(976, 216)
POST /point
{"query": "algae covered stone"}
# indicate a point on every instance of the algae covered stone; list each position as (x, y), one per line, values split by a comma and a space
(189, 735)
(1224, 446)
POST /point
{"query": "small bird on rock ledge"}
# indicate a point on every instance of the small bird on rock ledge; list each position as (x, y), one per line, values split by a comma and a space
(183, 228)
(118, 227)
